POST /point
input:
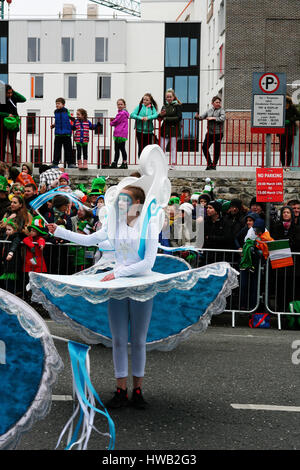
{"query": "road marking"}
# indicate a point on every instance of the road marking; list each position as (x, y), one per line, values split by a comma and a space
(265, 407)
(62, 398)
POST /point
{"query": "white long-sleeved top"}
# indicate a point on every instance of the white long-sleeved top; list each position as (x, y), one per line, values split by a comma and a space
(126, 245)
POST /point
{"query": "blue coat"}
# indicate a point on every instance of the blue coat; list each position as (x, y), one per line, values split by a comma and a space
(62, 122)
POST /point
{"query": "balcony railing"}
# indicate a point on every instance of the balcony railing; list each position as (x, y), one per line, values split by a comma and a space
(239, 148)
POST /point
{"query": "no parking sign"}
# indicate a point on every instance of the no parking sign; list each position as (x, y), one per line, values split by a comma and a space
(268, 103)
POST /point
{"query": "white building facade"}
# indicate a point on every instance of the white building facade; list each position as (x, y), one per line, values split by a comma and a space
(92, 62)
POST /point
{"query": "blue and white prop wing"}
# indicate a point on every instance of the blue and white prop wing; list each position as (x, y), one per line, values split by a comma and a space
(39, 201)
(29, 365)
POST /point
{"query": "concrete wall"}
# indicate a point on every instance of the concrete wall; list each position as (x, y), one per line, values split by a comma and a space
(241, 185)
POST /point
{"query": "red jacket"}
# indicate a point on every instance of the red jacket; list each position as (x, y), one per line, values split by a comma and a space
(34, 251)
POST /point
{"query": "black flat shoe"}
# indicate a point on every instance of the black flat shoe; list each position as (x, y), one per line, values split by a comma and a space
(137, 399)
(119, 400)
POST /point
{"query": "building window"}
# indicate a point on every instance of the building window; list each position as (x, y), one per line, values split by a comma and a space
(189, 128)
(36, 86)
(221, 19)
(182, 60)
(193, 52)
(221, 61)
(71, 86)
(3, 50)
(99, 115)
(101, 49)
(32, 122)
(181, 52)
(36, 154)
(186, 88)
(67, 49)
(33, 49)
(104, 87)
(3, 77)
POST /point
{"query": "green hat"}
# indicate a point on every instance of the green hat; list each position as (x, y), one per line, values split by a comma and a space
(38, 224)
(195, 196)
(81, 187)
(10, 222)
(225, 204)
(11, 122)
(98, 185)
(174, 200)
(3, 184)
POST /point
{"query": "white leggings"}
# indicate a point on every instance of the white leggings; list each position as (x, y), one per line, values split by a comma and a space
(163, 144)
(121, 314)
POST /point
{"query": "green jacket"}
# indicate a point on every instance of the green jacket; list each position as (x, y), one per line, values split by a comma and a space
(79, 255)
(146, 127)
(246, 260)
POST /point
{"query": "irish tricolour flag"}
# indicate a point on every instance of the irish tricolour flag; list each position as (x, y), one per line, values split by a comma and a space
(280, 254)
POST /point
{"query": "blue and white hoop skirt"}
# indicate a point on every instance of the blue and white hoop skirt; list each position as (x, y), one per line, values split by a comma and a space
(184, 299)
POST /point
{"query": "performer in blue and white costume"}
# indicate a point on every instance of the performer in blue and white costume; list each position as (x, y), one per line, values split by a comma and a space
(141, 286)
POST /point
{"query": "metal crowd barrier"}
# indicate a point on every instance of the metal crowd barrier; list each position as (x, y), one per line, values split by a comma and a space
(247, 298)
(281, 288)
(264, 288)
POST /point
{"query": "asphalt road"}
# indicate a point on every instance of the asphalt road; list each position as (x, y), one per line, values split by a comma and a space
(191, 392)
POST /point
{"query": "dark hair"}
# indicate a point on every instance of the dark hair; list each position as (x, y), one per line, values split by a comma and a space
(215, 98)
(186, 190)
(43, 168)
(7, 88)
(13, 173)
(138, 193)
(153, 102)
(30, 185)
(60, 100)
(293, 201)
(60, 200)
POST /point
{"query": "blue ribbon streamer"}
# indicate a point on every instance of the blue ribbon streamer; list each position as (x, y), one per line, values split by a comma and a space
(78, 353)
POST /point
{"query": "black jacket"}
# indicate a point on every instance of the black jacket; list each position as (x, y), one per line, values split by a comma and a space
(171, 122)
(218, 234)
(279, 232)
(10, 106)
(15, 264)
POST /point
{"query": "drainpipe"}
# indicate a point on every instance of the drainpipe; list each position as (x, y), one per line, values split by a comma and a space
(191, 1)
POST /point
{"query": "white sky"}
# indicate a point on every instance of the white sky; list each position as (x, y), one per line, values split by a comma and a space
(36, 8)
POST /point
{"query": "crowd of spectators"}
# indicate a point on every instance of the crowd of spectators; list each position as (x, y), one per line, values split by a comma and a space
(193, 218)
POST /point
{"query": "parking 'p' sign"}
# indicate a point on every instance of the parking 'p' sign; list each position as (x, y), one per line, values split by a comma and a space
(268, 103)
(269, 83)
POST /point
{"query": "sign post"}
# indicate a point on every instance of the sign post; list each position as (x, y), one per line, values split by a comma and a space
(267, 118)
